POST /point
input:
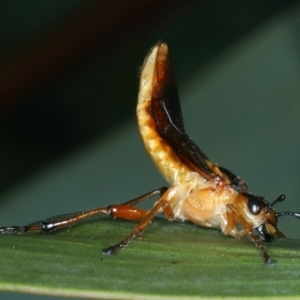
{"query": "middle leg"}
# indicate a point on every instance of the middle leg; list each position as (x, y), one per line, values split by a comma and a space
(168, 211)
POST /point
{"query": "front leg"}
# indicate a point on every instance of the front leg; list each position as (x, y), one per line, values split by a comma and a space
(229, 224)
(233, 216)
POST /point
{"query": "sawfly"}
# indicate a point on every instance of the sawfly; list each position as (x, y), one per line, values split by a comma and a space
(200, 191)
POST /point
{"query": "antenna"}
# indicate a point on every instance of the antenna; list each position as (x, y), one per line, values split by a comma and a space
(286, 213)
(279, 199)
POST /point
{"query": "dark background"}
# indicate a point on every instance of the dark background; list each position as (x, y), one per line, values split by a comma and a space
(68, 87)
(69, 69)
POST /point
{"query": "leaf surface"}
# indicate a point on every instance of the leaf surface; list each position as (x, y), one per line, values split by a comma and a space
(171, 259)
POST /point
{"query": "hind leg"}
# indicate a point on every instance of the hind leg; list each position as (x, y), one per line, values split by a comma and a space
(126, 210)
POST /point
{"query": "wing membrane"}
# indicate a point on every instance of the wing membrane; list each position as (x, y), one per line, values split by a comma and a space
(168, 117)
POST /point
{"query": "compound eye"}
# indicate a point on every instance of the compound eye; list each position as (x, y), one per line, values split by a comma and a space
(254, 206)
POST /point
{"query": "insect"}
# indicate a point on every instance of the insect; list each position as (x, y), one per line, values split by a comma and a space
(200, 191)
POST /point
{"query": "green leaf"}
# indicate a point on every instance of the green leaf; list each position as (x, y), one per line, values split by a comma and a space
(171, 259)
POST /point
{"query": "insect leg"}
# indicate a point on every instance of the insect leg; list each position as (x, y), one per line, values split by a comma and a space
(129, 211)
(49, 226)
(167, 209)
(229, 228)
(144, 197)
(249, 231)
(125, 210)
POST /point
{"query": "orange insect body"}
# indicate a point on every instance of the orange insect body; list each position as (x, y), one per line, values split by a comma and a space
(209, 199)
(200, 191)
(191, 196)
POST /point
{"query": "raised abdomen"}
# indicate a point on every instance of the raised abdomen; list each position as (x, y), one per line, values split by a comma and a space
(167, 162)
